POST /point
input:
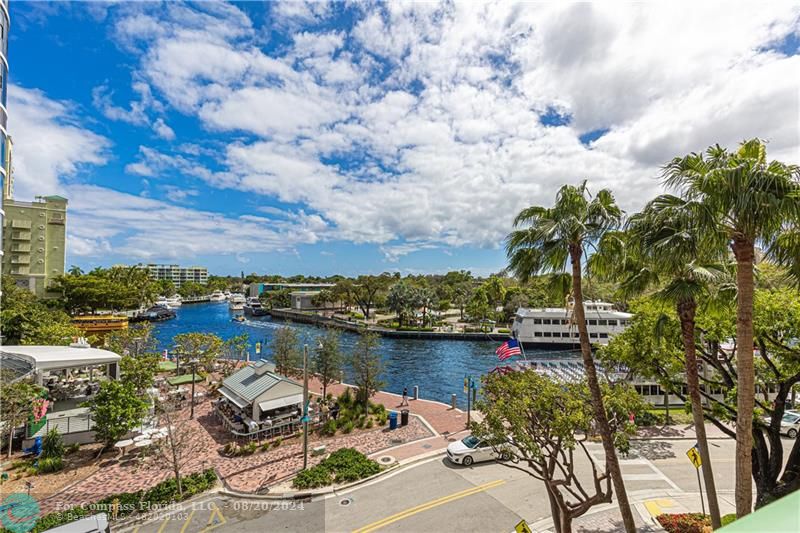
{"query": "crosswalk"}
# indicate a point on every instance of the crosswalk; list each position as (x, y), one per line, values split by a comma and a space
(198, 517)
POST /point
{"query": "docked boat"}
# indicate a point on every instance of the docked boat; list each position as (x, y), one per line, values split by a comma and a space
(555, 327)
(217, 296)
(100, 324)
(175, 301)
(156, 313)
(236, 302)
(253, 307)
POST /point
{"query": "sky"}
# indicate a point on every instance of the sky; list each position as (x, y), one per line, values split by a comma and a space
(362, 137)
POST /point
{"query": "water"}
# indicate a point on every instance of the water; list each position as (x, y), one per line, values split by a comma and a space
(437, 366)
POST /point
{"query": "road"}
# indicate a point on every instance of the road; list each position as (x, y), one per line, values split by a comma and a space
(438, 496)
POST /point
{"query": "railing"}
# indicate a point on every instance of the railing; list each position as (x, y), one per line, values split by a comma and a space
(67, 424)
(286, 427)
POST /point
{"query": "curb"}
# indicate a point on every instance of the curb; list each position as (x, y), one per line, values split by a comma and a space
(676, 438)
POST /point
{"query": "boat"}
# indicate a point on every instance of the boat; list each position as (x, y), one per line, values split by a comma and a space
(554, 327)
(217, 296)
(156, 313)
(174, 301)
(253, 307)
(227, 294)
(100, 324)
(238, 318)
(236, 302)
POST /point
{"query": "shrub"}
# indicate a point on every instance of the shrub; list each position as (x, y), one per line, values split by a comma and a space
(369, 423)
(727, 519)
(647, 418)
(312, 478)
(342, 466)
(277, 442)
(72, 448)
(52, 445)
(348, 427)
(265, 446)
(230, 449)
(329, 428)
(503, 330)
(684, 522)
(361, 421)
(49, 464)
(383, 418)
(346, 398)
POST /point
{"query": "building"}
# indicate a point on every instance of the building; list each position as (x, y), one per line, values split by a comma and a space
(177, 274)
(5, 140)
(34, 241)
(555, 326)
(258, 288)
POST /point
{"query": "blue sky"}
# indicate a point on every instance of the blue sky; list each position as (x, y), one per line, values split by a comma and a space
(351, 138)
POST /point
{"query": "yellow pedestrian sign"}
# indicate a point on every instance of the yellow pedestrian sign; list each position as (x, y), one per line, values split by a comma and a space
(522, 527)
(694, 456)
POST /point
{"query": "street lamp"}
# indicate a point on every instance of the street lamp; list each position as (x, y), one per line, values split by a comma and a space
(193, 362)
(305, 406)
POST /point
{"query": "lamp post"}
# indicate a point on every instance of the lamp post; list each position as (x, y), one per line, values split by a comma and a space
(305, 406)
(194, 369)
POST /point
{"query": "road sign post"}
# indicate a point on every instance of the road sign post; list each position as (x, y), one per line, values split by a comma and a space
(694, 456)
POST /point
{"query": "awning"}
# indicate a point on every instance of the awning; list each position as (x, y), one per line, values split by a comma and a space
(238, 402)
(269, 405)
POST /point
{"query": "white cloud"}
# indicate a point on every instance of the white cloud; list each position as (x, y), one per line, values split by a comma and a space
(162, 130)
(50, 146)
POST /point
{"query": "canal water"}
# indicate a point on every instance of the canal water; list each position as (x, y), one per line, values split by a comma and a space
(437, 366)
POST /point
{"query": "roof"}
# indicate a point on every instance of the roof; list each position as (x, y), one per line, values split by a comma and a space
(53, 357)
(549, 312)
(247, 385)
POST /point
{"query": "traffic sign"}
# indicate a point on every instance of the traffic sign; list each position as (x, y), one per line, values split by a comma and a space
(522, 527)
(694, 456)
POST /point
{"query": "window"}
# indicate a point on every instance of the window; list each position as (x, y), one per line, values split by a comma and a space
(545, 321)
(565, 322)
(537, 320)
(602, 322)
(537, 333)
(612, 322)
(593, 322)
(548, 334)
(593, 335)
(604, 335)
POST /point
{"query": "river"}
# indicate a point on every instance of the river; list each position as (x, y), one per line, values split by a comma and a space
(437, 366)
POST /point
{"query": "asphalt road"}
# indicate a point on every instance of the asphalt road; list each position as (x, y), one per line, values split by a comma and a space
(438, 496)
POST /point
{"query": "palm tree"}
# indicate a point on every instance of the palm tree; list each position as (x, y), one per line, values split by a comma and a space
(663, 249)
(552, 238)
(740, 199)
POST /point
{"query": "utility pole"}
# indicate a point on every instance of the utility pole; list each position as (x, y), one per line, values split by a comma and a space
(305, 406)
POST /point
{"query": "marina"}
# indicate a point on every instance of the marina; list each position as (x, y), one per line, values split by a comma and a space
(437, 366)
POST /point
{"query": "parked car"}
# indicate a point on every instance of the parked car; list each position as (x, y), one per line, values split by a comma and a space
(790, 423)
(471, 450)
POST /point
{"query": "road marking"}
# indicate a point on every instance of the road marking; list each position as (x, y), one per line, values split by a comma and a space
(215, 513)
(163, 525)
(656, 507)
(599, 456)
(429, 505)
(188, 519)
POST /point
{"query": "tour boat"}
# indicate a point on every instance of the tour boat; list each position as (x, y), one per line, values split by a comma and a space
(556, 326)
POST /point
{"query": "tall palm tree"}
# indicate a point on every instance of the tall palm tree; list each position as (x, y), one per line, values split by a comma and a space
(740, 199)
(553, 240)
(663, 250)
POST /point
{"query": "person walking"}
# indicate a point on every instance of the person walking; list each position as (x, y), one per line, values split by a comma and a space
(405, 397)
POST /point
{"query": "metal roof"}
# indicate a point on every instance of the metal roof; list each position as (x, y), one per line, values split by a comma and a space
(246, 384)
(55, 357)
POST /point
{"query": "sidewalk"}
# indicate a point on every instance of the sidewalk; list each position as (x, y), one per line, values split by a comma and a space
(680, 432)
(647, 506)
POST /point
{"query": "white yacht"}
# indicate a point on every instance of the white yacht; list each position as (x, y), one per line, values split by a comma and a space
(217, 296)
(253, 307)
(556, 327)
(236, 302)
(175, 301)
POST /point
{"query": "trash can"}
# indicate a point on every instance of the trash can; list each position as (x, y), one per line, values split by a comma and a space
(404, 417)
(392, 420)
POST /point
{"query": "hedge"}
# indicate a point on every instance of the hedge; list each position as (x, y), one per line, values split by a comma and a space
(129, 502)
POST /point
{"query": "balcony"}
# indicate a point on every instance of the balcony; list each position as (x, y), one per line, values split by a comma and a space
(21, 271)
(21, 224)
(21, 235)
(20, 260)
(25, 248)
(57, 219)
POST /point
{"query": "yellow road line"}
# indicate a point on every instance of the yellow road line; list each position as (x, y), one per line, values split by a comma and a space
(188, 519)
(428, 505)
(215, 512)
(163, 525)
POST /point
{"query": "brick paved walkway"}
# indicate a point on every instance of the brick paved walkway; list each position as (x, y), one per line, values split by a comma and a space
(441, 417)
(245, 474)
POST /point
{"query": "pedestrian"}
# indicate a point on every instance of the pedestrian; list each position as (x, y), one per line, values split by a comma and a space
(405, 396)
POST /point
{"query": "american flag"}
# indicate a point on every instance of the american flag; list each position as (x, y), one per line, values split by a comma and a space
(508, 349)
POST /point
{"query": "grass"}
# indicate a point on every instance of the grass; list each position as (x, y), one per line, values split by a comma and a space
(166, 366)
(186, 378)
(677, 415)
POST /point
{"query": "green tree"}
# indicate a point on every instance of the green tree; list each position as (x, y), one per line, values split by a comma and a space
(403, 300)
(135, 340)
(478, 306)
(663, 251)
(367, 367)
(739, 199)
(166, 288)
(286, 351)
(116, 409)
(551, 239)
(495, 291)
(549, 422)
(139, 371)
(327, 359)
(365, 291)
(205, 348)
(15, 405)
(462, 294)
(189, 289)
(280, 299)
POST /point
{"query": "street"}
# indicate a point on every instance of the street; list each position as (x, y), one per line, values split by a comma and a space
(436, 496)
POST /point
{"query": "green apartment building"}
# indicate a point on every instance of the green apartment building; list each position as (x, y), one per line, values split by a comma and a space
(34, 241)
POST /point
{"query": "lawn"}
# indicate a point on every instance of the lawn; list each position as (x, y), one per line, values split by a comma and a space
(166, 366)
(186, 378)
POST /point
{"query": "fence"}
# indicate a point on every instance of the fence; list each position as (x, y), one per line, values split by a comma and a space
(64, 425)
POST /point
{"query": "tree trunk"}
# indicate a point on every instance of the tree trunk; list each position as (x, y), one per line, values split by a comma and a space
(555, 510)
(745, 399)
(597, 399)
(666, 407)
(686, 313)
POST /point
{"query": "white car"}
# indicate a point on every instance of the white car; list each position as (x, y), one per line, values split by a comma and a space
(790, 423)
(471, 449)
